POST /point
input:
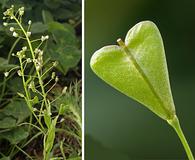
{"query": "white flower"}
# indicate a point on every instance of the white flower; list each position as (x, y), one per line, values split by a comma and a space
(5, 24)
(18, 53)
(36, 50)
(56, 79)
(64, 90)
(15, 34)
(21, 11)
(29, 22)
(35, 109)
(53, 75)
(38, 67)
(43, 38)
(19, 73)
(13, 54)
(11, 29)
(28, 60)
(6, 74)
(40, 53)
(24, 48)
(28, 34)
(62, 120)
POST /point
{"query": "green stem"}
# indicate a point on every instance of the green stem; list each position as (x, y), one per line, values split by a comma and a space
(27, 94)
(33, 57)
(176, 125)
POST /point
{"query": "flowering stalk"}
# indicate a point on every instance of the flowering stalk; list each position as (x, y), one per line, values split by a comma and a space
(29, 84)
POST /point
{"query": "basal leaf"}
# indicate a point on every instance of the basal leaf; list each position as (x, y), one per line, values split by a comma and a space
(138, 68)
(7, 122)
(5, 158)
(4, 65)
(17, 109)
(63, 47)
(14, 136)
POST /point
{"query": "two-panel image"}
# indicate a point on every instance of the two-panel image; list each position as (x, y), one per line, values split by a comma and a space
(97, 80)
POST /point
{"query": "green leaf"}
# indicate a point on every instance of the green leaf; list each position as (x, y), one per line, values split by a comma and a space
(5, 158)
(4, 65)
(17, 109)
(138, 68)
(47, 16)
(7, 122)
(62, 109)
(62, 33)
(50, 137)
(68, 57)
(18, 86)
(14, 136)
(63, 47)
(47, 118)
(38, 27)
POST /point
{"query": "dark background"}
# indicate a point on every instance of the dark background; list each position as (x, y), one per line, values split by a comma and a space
(116, 127)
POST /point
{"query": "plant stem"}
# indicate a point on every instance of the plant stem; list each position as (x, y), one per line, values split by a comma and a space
(176, 125)
(37, 71)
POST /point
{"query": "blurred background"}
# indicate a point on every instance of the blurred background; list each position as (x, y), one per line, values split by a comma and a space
(116, 127)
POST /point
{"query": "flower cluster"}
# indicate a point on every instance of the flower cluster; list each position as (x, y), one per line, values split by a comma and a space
(39, 60)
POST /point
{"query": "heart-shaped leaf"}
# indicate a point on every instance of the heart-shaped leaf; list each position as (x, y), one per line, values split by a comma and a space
(138, 68)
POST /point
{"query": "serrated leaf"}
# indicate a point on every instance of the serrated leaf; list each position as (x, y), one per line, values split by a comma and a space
(138, 68)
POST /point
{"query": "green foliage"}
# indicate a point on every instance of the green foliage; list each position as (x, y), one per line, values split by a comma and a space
(64, 45)
(26, 107)
(4, 65)
(49, 140)
(15, 135)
